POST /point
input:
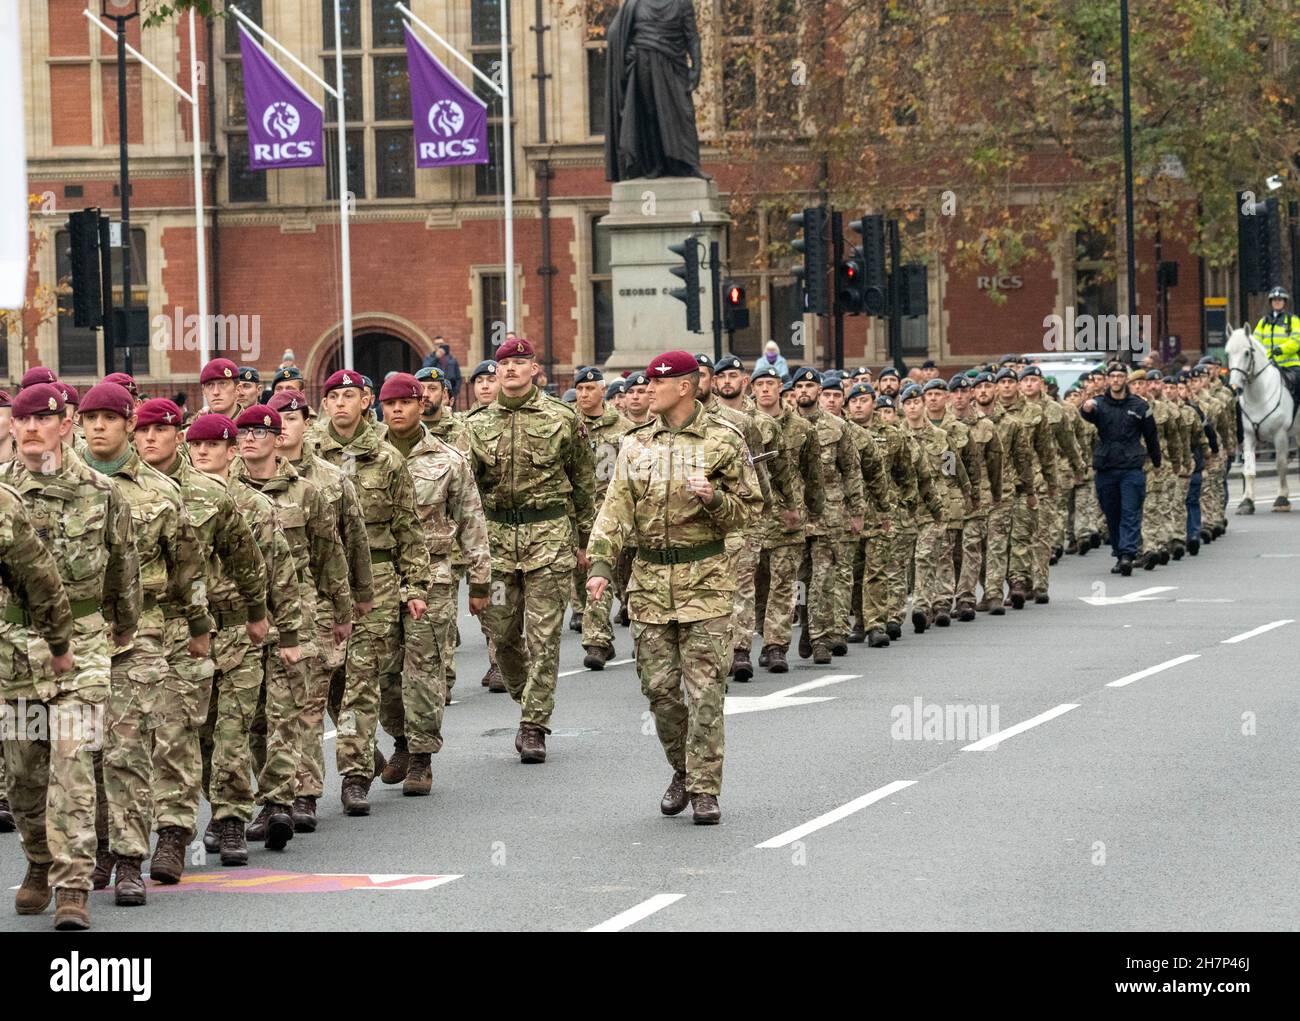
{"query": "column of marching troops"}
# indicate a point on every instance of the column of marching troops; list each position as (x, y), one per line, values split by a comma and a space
(184, 602)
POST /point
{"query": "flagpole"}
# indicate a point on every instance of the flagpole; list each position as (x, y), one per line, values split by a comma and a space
(345, 245)
(200, 228)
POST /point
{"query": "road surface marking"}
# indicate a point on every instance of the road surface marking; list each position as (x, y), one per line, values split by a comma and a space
(836, 814)
(1145, 595)
(1130, 678)
(331, 734)
(584, 670)
(1257, 631)
(633, 915)
(993, 740)
(784, 697)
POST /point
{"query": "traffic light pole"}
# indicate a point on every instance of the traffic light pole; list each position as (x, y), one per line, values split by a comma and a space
(106, 285)
(124, 187)
(837, 253)
(895, 297)
(715, 284)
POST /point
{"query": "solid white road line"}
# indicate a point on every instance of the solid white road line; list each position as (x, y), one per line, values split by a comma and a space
(1257, 631)
(633, 915)
(993, 740)
(1130, 678)
(836, 814)
(584, 670)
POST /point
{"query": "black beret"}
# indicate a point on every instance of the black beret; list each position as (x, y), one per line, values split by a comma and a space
(1031, 370)
(806, 373)
(589, 374)
(248, 374)
(934, 384)
(766, 371)
(727, 362)
(928, 364)
(884, 401)
(487, 367)
(704, 361)
(888, 370)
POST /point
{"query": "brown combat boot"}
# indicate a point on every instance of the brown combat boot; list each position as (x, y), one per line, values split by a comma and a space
(71, 910)
(1018, 595)
(805, 643)
(7, 822)
(821, 652)
(675, 797)
(303, 813)
(966, 612)
(212, 837)
(234, 848)
(597, 656)
(129, 891)
(380, 763)
(741, 668)
(256, 830)
(419, 776)
(532, 741)
(705, 809)
(496, 681)
(356, 793)
(104, 862)
(279, 827)
(397, 766)
(33, 896)
(168, 861)
(776, 662)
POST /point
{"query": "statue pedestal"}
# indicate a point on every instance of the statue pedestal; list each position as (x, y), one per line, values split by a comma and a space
(646, 216)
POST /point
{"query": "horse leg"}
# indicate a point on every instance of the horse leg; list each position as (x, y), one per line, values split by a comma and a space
(1283, 453)
(1247, 505)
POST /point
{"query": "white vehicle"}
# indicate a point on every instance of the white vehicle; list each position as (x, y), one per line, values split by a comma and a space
(1064, 367)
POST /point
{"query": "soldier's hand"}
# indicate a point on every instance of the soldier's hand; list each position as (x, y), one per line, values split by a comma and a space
(584, 561)
(123, 638)
(596, 587)
(477, 604)
(1078, 478)
(790, 518)
(362, 610)
(416, 608)
(1090, 404)
(342, 632)
(1051, 492)
(855, 523)
(290, 655)
(701, 487)
(62, 664)
(1031, 501)
(200, 646)
(257, 630)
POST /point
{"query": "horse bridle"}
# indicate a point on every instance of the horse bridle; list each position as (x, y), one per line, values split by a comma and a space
(1250, 378)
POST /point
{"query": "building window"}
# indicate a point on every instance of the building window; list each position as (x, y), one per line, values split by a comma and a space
(760, 47)
(597, 61)
(485, 52)
(356, 163)
(492, 311)
(1094, 279)
(757, 252)
(79, 347)
(602, 292)
(242, 183)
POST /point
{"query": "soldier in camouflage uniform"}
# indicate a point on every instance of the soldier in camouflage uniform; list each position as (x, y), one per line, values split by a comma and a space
(534, 470)
(604, 427)
(451, 513)
(226, 738)
(1017, 485)
(1154, 542)
(842, 514)
(1080, 519)
(681, 484)
(220, 382)
(1025, 542)
(1069, 473)
(331, 637)
(400, 564)
(782, 532)
(171, 570)
(234, 578)
(926, 511)
(986, 460)
(84, 522)
(310, 525)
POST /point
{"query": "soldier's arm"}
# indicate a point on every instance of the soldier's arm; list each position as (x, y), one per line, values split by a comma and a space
(1045, 451)
(849, 465)
(875, 481)
(185, 572)
(1065, 443)
(972, 458)
(121, 591)
(905, 475)
(928, 491)
(352, 529)
(241, 557)
(993, 464)
(810, 467)
(329, 562)
(286, 602)
(1022, 459)
(412, 560)
(582, 478)
(754, 440)
(30, 572)
(787, 483)
(466, 509)
(737, 499)
(613, 523)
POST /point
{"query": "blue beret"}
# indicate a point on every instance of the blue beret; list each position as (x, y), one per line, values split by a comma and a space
(959, 383)
(766, 371)
(588, 374)
(806, 373)
(884, 401)
(889, 370)
(704, 361)
(616, 386)
(638, 378)
(935, 384)
(861, 390)
(727, 362)
(248, 374)
(1031, 370)
(1004, 373)
(487, 367)
(984, 377)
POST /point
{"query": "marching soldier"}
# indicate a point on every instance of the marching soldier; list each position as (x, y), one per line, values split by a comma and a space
(986, 455)
(1024, 542)
(220, 382)
(248, 386)
(1017, 482)
(1069, 472)
(681, 484)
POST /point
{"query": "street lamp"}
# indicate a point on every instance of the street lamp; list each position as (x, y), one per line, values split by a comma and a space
(1128, 175)
(122, 11)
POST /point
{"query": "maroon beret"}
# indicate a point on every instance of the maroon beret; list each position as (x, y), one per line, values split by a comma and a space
(344, 378)
(158, 411)
(5, 399)
(123, 380)
(219, 368)
(259, 416)
(290, 400)
(69, 392)
(518, 347)
(211, 427)
(108, 397)
(38, 399)
(672, 363)
(400, 385)
(37, 374)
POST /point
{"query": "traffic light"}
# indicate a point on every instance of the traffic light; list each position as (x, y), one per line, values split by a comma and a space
(913, 291)
(875, 274)
(83, 238)
(849, 296)
(1259, 244)
(812, 246)
(689, 273)
(735, 314)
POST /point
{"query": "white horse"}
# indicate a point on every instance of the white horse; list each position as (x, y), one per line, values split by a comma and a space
(1268, 413)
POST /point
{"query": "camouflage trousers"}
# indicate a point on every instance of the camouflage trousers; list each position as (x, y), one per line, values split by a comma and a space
(968, 555)
(224, 738)
(50, 732)
(412, 708)
(745, 569)
(846, 556)
(997, 549)
(683, 671)
(322, 671)
(525, 625)
(1213, 489)
(774, 591)
(275, 737)
(374, 660)
(126, 782)
(873, 589)
(1155, 511)
(935, 581)
(597, 622)
(1044, 539)
(817, 576)
(1023, 541)
(4, 788)
(900, 573)
(456, 637)
(178, 771)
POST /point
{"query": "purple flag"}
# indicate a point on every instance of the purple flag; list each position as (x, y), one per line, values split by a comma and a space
(285, 126)
(450, 121)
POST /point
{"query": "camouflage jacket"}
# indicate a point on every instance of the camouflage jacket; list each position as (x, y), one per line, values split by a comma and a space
(899, 469)
(1017, 455)
(604, 436)
(1038, 432)
(451, 429)
(1067, 454)
(791, 434)
(283, 597)
(233, 567)
(310, 526)
(349, 519)
(86, 523)
(875, 477)
(1085, 438)
(30, 575)
(947, 468)
(929, 490)
(1194, 428)
(451, 512)
(810, 458)
(171, 559)
(1169, 429)
(841, 466)
(649, 507)
(531, 458)
(986, 455)
(750, 432)
(387, 500)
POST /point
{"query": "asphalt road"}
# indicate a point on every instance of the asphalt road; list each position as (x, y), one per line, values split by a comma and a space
(1162, 802)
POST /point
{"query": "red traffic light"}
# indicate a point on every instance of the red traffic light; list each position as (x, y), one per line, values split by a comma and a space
(851, 271)
(735, 295)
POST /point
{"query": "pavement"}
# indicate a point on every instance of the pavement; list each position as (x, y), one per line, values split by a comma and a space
(1139, 777)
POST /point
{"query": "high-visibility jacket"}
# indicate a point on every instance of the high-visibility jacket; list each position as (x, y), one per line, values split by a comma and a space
(1281, 338)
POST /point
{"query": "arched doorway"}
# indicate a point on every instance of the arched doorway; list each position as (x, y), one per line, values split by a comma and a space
(376, 354)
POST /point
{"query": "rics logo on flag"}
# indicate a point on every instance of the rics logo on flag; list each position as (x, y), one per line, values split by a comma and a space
(454, 128)
(446, 117)
(281, 119)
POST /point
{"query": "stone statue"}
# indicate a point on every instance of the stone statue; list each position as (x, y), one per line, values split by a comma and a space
(650, 115)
